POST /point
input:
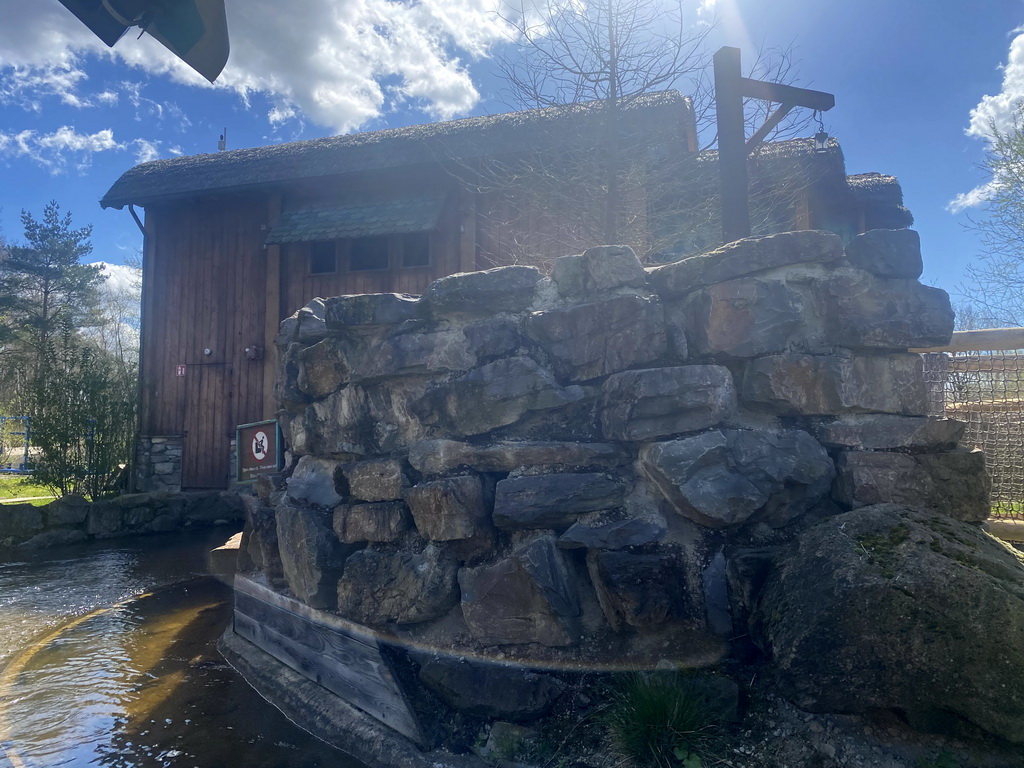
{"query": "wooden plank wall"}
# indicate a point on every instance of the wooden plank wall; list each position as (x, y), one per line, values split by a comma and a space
(205, 269)
(342, 657)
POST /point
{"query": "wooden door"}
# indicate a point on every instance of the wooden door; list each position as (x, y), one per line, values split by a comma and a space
(206, 453)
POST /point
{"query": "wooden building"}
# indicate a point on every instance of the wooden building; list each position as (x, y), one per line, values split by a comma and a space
(237, 241)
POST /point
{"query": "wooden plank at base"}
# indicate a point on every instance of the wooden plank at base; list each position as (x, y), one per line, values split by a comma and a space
(326, 650)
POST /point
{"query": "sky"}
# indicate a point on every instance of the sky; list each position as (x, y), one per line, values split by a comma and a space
(917, 84)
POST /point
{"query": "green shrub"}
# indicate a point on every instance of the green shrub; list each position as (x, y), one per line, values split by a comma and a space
(659, 720)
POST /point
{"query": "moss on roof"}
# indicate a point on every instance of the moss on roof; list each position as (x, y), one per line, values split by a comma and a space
(376, 150)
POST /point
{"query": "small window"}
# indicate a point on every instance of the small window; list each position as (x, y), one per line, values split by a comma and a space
(368, 253)
(323, 259)
(416, 250)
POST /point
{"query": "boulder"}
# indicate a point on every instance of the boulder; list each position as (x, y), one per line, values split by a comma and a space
(724, 478)
(345, 312)
(640, 405)
(449, 509)
(831, 384)
(487, 340)
(18, 521)
(381, 521)
(586, 341)
(639, 590)
(482, 689)
(313, 481)
(745, 257)
(376, 480)
(312, 558)
(884, 432)
(748, 317)
(417, 353)
(380, 588)
(70, 510)
(887, 608)
(261, 519)
(952, 483)
(306, 326)
(435, 457)
(105, 519)
(620, 534)
(553, 501)
(866, 312)
(528, 597)
(893, 253)
(501, 289)
(323, 367)
(494, 395)
(597, 271)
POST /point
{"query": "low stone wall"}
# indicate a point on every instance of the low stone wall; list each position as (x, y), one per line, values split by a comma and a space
(603, 465)
(74, 519)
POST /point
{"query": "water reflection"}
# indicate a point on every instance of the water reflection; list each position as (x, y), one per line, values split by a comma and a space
(93, 680)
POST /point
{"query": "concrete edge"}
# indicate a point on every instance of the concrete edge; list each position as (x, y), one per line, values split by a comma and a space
(327, 717)
(1007, 530)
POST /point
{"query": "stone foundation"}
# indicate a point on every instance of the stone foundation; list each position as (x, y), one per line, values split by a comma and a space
(158, 463)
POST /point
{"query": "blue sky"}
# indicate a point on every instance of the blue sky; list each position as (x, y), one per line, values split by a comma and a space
(916, 84)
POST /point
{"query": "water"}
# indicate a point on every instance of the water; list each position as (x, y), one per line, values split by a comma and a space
(108, 660)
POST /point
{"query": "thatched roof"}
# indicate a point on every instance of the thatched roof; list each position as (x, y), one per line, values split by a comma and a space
(465, 139)
(882, 199)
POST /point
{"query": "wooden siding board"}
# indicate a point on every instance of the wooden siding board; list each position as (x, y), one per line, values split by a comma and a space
(343, 658)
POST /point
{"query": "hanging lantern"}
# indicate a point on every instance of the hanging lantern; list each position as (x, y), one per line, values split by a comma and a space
(821, 142)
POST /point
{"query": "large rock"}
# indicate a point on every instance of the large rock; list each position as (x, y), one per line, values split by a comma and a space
(483, 689)
(418, 352)
(619, 534)
(553, 501)
(262, 548)
(529, 597)
(19, 521)
(380, 521)
(345, 312)
(305, 326)
(886, 608)
(598, 270)
(586, 341)
(752, 316)
(884, 432)
(829, 384)
(745, 257)
(312, 558)
(953, 483)
(376, 480)
(402, 587)
(495, 395)
(894, 253)
(640, 590)
(490, 339)
(323, 367)
(67, 510)
(502, 289)
(639, 405)
(724, 478)
(435, 457)
(866, 312)
(314, 481)
(449, 509)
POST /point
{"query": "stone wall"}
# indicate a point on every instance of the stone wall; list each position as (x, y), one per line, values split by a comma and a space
(603, 464)
(73, 519)
(158, 463)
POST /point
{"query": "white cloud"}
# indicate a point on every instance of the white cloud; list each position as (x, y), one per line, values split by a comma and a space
(322, 59)
(996, 111)
(146, 150)
(54, 150)
(977, 196)
(999, 109)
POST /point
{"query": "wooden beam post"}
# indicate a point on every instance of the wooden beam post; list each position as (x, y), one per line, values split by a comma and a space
(732, 152)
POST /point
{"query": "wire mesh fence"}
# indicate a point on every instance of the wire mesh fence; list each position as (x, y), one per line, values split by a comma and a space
(984, 388)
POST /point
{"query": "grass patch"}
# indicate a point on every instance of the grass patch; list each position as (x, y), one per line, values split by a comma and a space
(18, 486)
(659, 720)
